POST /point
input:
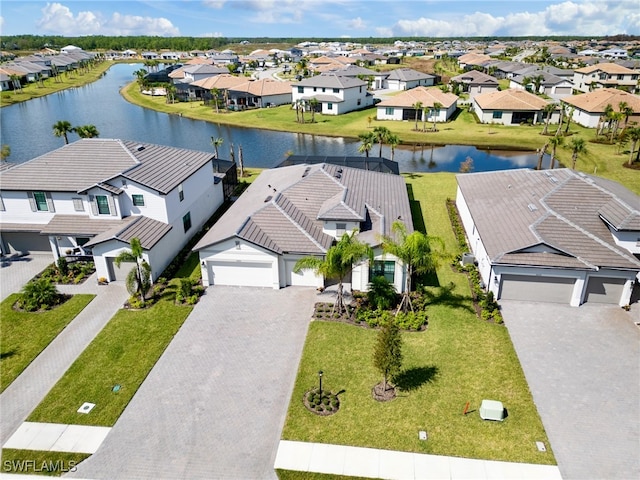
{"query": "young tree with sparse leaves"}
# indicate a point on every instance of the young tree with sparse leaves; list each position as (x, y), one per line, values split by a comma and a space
(387, 354)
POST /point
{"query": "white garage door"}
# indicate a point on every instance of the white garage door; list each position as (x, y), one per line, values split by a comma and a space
(537, 289)
(604, 290)
(305, 278)
(247, 274)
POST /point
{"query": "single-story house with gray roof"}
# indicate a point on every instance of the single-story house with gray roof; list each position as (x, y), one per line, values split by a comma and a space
(91, 197)
(300, 210)
(552, 236)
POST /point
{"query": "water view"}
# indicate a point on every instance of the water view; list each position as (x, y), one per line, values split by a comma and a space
(27, 129)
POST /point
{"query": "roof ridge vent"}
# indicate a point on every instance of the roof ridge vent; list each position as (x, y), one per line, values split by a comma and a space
(140, 147)
(532, 207)
(306, 172)
(268, 199)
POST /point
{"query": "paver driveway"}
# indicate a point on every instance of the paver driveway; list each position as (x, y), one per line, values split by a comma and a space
(15, 271)
(583, 369)
(215, 403)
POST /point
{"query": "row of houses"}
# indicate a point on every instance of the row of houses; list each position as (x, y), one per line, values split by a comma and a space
(553, 236)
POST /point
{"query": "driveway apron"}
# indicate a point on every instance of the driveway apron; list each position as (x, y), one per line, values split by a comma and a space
(583, 369)
(215, 403)
(17, 270)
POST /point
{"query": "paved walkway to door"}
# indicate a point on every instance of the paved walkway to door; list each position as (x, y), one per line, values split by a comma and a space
(583, 369)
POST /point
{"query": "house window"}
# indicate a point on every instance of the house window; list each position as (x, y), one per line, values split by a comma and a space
(497, 114)
(180, 192)
(315, 89)
(300, 89)
(329, 106)
(634, 77)
(103, 205)
(78, 205)
(138, 200)
(336, 90)
(41, 201)
(383, 268)
(324, 89)
(340, 228)
(388, 111)
(186, 221)
(620, 77)
(359, 101)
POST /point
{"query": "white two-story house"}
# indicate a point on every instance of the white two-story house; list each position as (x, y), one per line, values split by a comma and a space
(605, 75)
(91, 197)
(335, 94)
(300, 210)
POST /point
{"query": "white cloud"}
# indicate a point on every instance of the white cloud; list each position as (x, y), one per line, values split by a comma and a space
(589, 17)
(217, 4)
(59, 19)
(1, 24)
(212, 35)
(356, 24)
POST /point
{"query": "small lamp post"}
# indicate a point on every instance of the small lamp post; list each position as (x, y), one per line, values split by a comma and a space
(320, 379)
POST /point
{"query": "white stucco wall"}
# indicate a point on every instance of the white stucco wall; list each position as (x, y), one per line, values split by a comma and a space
(630, 241)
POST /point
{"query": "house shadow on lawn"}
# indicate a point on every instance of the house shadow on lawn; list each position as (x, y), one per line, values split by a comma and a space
(414, 378)
(416, 211)
(444, 295)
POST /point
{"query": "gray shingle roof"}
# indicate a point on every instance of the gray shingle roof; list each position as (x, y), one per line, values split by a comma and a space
(80, 225)
(89, 162)
(331, 80)
(407, 75)
(147, 230)
(285, 208)
(519, 212)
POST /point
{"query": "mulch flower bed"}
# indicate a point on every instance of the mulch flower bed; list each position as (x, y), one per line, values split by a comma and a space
(379, 393)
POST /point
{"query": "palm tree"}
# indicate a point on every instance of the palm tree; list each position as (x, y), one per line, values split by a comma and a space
(141, 77)
(554, 142)
(632, 134)
(338, 263)
(15, 80)
(616, 117)
(139, 278)
(367, 139)
(216, 142)
(61, 128)
(569, 115)
(171, 91)
(414, 250)
(541, 153)
(417, 108)
(537, 82)
(215, 95)
(5, 151)
(87, 131)
(381, 134)
(577, 146)
(313, 103)
(437, 106)
(548, 110)
(626, 110)
(393, 140)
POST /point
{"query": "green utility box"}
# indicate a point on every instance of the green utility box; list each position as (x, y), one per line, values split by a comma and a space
(492, 410)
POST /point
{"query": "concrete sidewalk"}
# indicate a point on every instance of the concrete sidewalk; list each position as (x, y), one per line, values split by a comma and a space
(387, 464)
(57, 437)
(28, 390)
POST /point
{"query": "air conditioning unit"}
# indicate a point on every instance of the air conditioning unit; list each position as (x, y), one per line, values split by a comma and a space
(468, 259)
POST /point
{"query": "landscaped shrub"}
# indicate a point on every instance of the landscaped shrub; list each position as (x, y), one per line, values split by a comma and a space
(382, 293)
(136, 302)
(39, 294)
(411, 320)
(63, 266)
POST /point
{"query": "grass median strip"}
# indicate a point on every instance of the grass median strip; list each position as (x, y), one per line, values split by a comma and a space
(38, 462)
(26, 334)
(122, 355)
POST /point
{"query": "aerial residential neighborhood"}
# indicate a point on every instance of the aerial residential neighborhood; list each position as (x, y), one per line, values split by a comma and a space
(398, 253)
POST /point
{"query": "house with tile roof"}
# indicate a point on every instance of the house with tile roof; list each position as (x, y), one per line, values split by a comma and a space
(295, 211)
(407, 78)
(552, 236)
(335, 94)
(605, 75)
(91, 197)
(260, 93)
(511, 107)
(549, 84)
(588, 108)
(475, 82)
(402, 106)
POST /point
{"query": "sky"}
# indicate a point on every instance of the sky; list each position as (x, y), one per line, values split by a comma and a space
(321, 18)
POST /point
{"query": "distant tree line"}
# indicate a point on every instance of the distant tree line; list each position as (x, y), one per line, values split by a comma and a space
(99, 42)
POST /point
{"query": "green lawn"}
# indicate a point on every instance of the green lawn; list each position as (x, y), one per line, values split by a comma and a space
(24, 335)
(458, 359)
